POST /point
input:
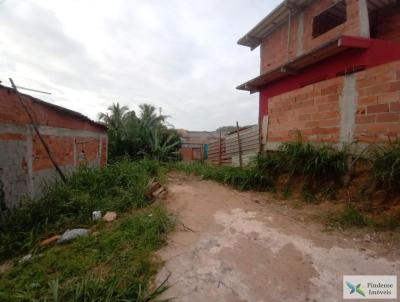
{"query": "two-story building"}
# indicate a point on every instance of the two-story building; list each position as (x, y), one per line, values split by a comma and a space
(329, 70)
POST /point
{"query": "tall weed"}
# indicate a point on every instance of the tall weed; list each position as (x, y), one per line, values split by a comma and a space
(316, 162)
(69, 205)
(386, 165)
(115, 265)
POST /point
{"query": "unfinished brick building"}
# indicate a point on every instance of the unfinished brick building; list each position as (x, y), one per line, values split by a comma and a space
(25, 165)
(329, 69)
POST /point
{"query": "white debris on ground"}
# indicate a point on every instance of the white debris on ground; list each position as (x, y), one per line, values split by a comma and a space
(70, 235)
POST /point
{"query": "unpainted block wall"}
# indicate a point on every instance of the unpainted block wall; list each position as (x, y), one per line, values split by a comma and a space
(386, 27)
(186, 153)
(24, 163)
(274, 47)
(363, 107)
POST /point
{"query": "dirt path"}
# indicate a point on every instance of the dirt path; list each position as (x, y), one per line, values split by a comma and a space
(244, 246)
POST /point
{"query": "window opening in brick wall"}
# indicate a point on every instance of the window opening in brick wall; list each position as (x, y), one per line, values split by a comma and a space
(330, 18)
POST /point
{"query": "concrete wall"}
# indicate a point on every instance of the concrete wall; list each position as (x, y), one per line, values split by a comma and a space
(24, 163)
(361, 107)
(274, 47)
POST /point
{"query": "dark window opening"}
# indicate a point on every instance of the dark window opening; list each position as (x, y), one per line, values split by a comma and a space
(330, 18)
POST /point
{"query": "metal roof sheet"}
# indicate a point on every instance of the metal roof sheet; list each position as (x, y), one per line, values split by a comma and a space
(271, 22)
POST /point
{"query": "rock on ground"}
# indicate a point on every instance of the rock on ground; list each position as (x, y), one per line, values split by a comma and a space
(70, 235)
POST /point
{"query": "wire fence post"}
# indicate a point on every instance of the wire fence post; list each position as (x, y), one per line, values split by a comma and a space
(35, 127)
(239, 145)
(220, 149)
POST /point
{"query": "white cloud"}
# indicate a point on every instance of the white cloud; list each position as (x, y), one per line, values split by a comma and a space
(180, 55)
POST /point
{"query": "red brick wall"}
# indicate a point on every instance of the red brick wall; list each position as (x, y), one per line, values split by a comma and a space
(103, 159)
(24, 162)
(186, 153)
(387, 27)
(62, 147)
(274, 47)
(11, 112)
(378, 110)
(62, 150)
(314, 110)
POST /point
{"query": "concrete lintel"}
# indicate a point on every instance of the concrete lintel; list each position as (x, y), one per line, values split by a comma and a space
(47, 130)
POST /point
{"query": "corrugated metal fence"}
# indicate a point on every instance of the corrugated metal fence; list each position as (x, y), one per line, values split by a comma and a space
(217, 153)
(236, 147)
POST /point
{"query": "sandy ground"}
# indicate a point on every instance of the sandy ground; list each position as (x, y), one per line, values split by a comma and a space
(245, 246)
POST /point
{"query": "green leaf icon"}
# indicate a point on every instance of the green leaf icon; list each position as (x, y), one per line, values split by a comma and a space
(359, 290)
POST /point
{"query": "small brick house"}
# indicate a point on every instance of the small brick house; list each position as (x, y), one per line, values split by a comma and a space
(71, 137)
(195, 144)
(329, 70)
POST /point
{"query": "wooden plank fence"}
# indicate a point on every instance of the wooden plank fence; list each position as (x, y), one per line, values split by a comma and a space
(217, 153)
(237, 147)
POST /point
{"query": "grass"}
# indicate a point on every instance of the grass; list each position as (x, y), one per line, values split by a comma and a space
(114, 265)
(118, 187)
(313, 161)
(353, 216)
(316, 172)
(385, 161)
(242, 179)
(317, 165)
(350, 216)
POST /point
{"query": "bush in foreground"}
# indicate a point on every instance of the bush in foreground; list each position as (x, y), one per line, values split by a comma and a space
(315, 164)
(114, 265)
(386, 166)
(321, 162)
(242, 179)
(116, 188)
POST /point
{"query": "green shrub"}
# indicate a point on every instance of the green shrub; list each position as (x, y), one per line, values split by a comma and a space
(271, 163)
(115, 188)
(242, 179)
(317, 162)
(2, 198)
(387, 222)
(115, 265)
(350, 216)
(386, 166)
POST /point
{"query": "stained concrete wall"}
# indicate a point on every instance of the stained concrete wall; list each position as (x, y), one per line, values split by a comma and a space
(25, 166)
(24, 163)
(13, 170)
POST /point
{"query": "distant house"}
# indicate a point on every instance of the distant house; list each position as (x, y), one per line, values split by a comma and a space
(195, 144)
(329, 70)
(25, 165)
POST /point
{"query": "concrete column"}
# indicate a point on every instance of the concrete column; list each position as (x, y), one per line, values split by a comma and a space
(300, 34)
(364, 18)
(348, 108)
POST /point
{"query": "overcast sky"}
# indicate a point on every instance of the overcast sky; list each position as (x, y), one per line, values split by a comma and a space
(180, 55)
